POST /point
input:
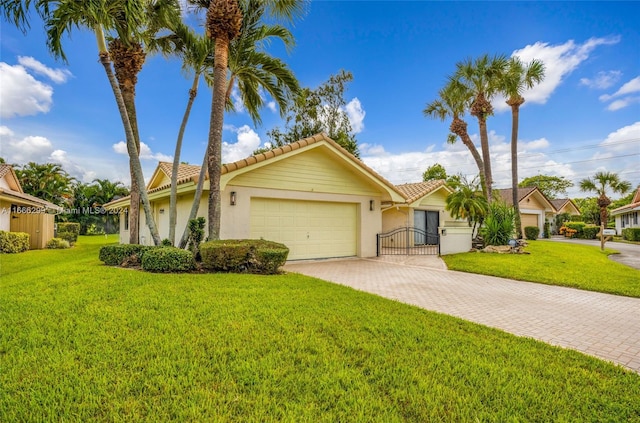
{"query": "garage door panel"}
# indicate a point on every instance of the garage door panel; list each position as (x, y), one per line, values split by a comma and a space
(310, 229)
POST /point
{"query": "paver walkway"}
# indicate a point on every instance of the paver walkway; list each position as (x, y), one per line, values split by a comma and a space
(602, 325)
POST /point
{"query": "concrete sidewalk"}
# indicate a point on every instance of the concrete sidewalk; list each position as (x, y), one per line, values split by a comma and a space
(602, 325)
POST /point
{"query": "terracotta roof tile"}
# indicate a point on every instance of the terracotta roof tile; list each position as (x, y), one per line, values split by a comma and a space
(414, 191)
(186, 173)
(635, 202)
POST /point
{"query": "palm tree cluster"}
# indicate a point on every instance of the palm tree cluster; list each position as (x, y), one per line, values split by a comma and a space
(230, 53)
(470, 89)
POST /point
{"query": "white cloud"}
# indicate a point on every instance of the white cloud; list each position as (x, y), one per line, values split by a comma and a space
(238, 105)
(356, 115)
(534, 145)
(248, 141)
(21, 93)
(145, 152)
(559, 61)
(602, 80)
(623, 139)
(59, 76)
(622, 103)
(272, 106)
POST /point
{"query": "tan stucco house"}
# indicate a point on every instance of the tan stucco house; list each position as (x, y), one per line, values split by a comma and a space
(535, 207)
(628, 216)
(20, 212)
(311, 195)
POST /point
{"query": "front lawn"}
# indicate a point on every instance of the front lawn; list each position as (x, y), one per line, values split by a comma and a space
(80, 341)
(555, 263)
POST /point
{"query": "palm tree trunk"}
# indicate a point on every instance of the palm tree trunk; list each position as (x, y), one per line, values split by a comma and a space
(214, 148)
(128, 97)
(134, 160)
(173, 198)
(466, 140)
(515, 112)
(196, 202)
(486, 158)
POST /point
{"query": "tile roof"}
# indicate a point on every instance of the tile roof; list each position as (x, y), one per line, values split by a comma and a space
(28, 197)
(507, 194)
(635, 203)
(414, 191)
(186, 173)
(4, 169)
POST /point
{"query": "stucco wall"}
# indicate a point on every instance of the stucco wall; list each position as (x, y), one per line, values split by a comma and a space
(455, 240)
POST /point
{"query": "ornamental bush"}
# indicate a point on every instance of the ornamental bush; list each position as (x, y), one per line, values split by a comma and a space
(68, 231)
(243, 256)
(531, 232)
(167, 260)
(499, 225)
(116, 255)
(631, 234)
(13, 242)
(577, 227)
(590, 232)
(57, 244)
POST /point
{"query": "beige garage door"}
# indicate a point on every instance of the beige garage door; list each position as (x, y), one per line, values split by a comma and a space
(529, 220)
(311, 229)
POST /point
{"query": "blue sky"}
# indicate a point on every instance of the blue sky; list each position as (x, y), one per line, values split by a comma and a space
(583, 118)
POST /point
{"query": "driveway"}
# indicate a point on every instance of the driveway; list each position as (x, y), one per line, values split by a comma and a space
(629, 253)
(602, 325)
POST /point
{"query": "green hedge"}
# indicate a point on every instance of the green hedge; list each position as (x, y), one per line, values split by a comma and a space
(68, 231)
(631, 234)
(13, 242)
(168, 260)
(589, 232)
(578, 226)
(58, 244)
(531, 232)
(123, 254)
(243, 255)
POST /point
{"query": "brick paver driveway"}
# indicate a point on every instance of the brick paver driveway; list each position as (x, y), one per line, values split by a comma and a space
(602, 325)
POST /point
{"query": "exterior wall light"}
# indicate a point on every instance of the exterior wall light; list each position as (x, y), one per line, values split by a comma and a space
(232, 198)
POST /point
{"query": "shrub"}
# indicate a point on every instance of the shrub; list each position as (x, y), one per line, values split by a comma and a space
(68, 231)
(631, 234)
(499, 225)
(168, 260)
(196, 235)
(166, 243)
(575, 229)
(244, 255)
(531, 232)
(13, 242)
(546, 233)
(58, 244)
(590, 232)
(116, 255)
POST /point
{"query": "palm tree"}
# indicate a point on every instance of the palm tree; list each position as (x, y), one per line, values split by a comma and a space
(224, 22)
(128, 54)
(467, 202)
(48, 181)
(481, 76)
(518, 77)
(452, 103)
(600, 184)
(100, 16)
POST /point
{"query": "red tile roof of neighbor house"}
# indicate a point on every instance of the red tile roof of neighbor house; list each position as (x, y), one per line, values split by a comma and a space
(635, 202)
(414, 191)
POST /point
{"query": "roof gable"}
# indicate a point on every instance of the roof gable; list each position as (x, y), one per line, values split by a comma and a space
(416, 192)
(9, 178)
(634, 205)
(526, 195)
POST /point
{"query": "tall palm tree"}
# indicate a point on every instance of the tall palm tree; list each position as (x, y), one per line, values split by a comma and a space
(601, 183)
(48, 181)
(128, 54)
(518, 77)
(452, 102)
(482, 76)
(251, 69)
(99, 16)
(224, 22)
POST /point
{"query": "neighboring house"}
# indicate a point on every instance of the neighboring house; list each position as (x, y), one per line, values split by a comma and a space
(20, 212)
(311, 195)
(535, 207)
(628, 216)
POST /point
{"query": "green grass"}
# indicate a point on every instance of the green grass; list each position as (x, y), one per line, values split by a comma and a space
(83, 342)
(555, 263)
